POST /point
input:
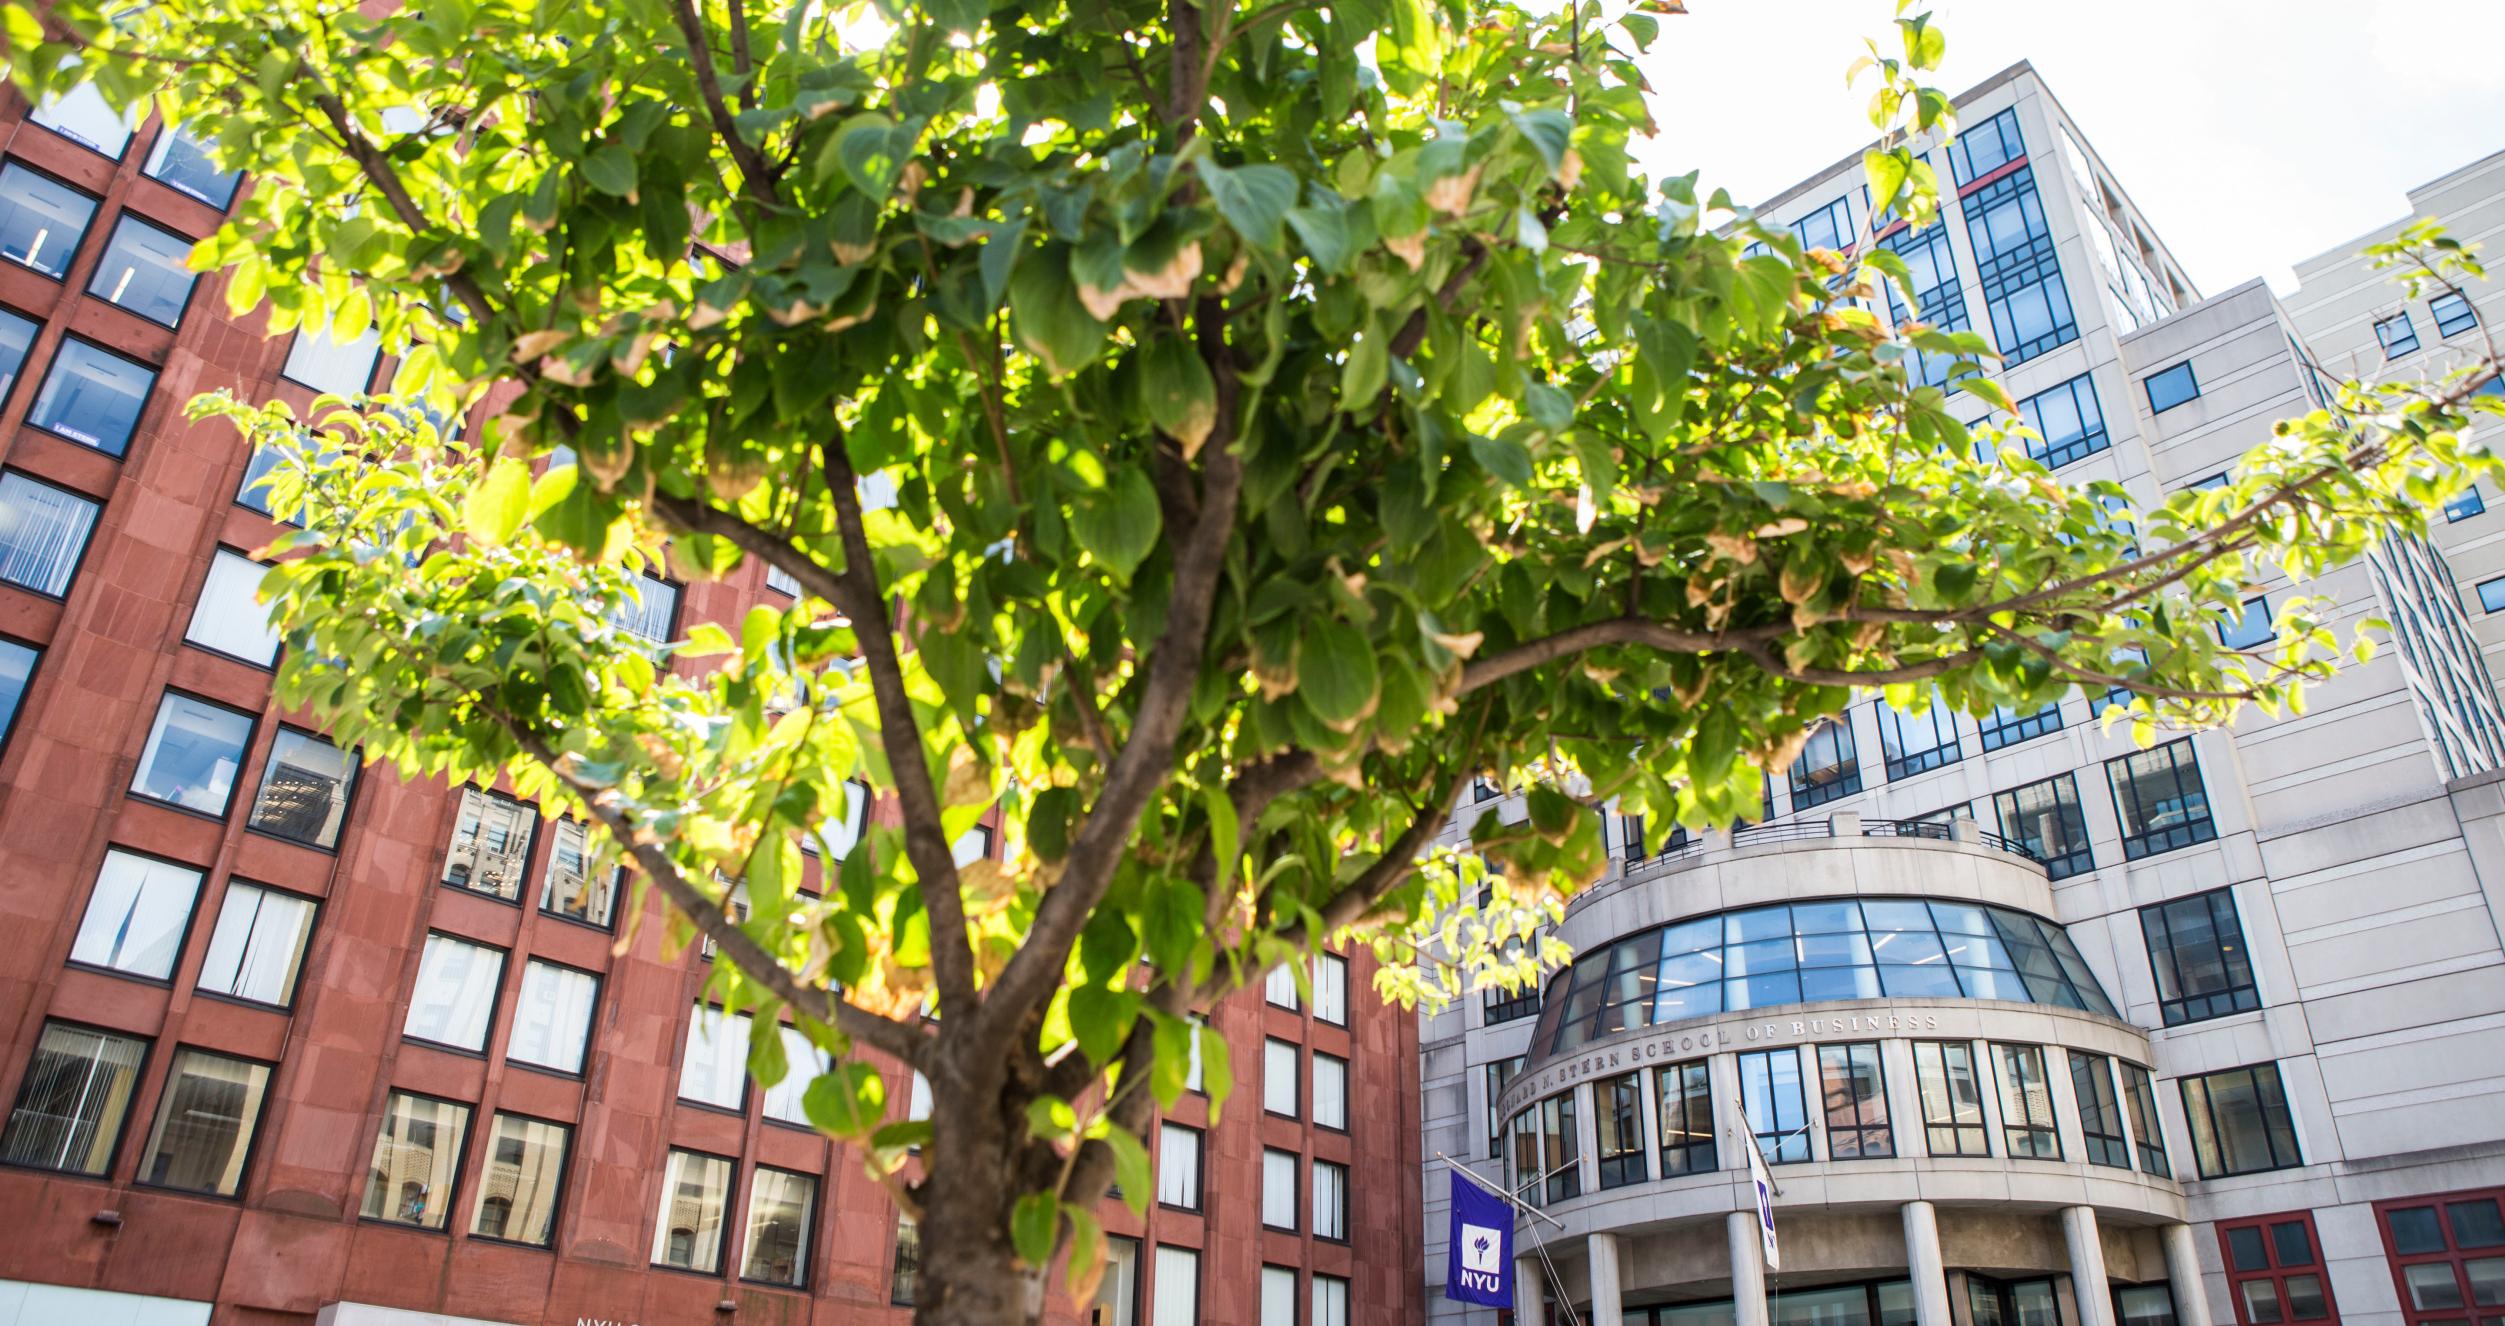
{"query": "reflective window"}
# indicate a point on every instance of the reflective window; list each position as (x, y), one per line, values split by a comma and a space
(1330, 988)
(1618, 1128)
(2196, 950)
(904, 1282)
(1500, 1074)
(205, 1122)
(182, 162)
(518, 1194)
(491, 844)
(43, 531)
(2020, 270)
(1830, 227)
(552, 1016)
(1915, 743)
(1330, 1201)
(145, 270)
(1178, 1166)
(455, 997)
(1544, 1149)
(304, 790)
(2397, 333)
(1684, 1096)
(573, 888)
(2068, 423)
(2253, 628)
(1828, 766)
(1855, 1098)
(2044, 818)
(1330, 1091)
(2026, 1103)
(2007, 727)
(2465, 506)
(1278, 988)
(1771, 1094)
(1986, 147)
(2100, 1110)
(315, 360)
(2160, 799)
(1937, 300)
(417, 1161)
(2452, 314)
(74, 1100)
(2148, 1136)
(781, 1206)
(715, 1071)
(84, 117)
(2491, 592)
(229, 618)
(2273, 1272)
(786, 1101)
(137, 916)
(17, 336)
(1952, 1098)
(2240, 1122)
(41, 220)
(2170, 387)
(694, 1194)
(652, 614)
(257, 948)
(92, 396)
(1278, 1189)
(2448, 1254)
(1280, 1088)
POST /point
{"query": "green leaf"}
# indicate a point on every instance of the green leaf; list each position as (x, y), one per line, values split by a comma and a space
(1990, 393)
(1253, 199)
(1503, 456)
(1716, 745)
(1335, 672)
(958, 15)
(848, 1101)
(872, 152)
(496, 508)
(1886, 172)
(1118, 524)
(1550, 132)
(1032, 1225)
(611, 170)
(1412, 53)
(1100, 1018)
(1325, 234)
(1046, 315)
(1131, 1169)
(1051, 1119)
(1182, 397)
(1368, 367)
(1224, 835)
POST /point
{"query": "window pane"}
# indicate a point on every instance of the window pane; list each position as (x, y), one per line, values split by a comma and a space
(1330, 1200)
(1177, 1287)
(904, 1283)
(1330, 1301)
(1178, 1166)
(1278, 1296)
(1684, 1095)
(193, 751)
(971, 846)
(41, 220)
(17, 336)
(1279, 1087)
(573, 888)
(1117, 1294)
(1330, 988)
(517, 1195)
(653, 612)
(137, 915)
(456, 993)
(70, 1108)
(2432, 1286)
(2160, 799)
(2246, 1251)
(182, 162)
(1952, 1098)
(1770, 1092)
(689, 1234)
(807, 1063)
(304, 790)
(780, 1206)
(92, 396)
(2026, 1102)
(204, 1124)
(1278, 1189)
(1856, 1102)
(1279, 987)
(1330, 1091)
(144, 270)
(2290, 1242)
(2476, 1224)
(83, 116)
(229, 617)
(2305, 1299)
(316, 361)
(2487, 1281)
(417, 1155)
(491, 845)
(552, 1016)
(258, 945)
(2240, 1121)
(2414, 1230)
(715, 1071)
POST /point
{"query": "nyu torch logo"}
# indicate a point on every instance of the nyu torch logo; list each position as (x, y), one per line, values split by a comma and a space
(1481, 1257)
(1480, 1268)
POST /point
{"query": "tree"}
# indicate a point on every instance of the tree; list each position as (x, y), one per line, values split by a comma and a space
(1281, 414)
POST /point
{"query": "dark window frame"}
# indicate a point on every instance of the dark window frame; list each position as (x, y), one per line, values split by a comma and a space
(1959, 1134)
(167, 134)
(1623, 1106)
(1346, 1213)
(200, 597)
(1946, 748)
(2158, 924)
(2207, 1111)
(1774, 1142)
(1296, 1197)
(2101, 1126)
(1862, 1128)
(2395, 344)
(347, 801)
(2188, 392)
(591, 1026)
(1996, 732)
(2095, 434)
(530, 853)
(2148, 1125)
(225, 889)
(182, 944)
(2036, 1133)
(252, 738)
(190, 291)
(2451, 324)
(76, 242)
(617, 875)
(2150, 841)
(722, 1235)
(1700, 1157)
(808, 1245)
(565, 1173)
(2078, 859)
(1200, 1167)
(460, 1160)
(119, 450)
(1493, 1075)
(1808, 792)
(495, 1005)
(121, 1126)
(252, 1142)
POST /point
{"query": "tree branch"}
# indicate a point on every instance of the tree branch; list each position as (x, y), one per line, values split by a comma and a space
(753, 167)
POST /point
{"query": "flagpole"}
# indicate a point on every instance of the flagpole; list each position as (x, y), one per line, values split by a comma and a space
(1539, 1245)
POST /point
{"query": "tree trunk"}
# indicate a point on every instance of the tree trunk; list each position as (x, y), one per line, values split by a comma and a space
(971, 1180)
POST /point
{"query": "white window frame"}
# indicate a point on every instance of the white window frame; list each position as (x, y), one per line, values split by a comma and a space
(1282, 1078)
(554, 1009)
(716, 1059)
(138, 915)
(447, 995)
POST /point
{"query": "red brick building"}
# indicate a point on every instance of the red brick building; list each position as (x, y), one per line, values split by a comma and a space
(286, 1041)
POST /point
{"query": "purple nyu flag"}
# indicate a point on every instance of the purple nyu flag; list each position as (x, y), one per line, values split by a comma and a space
(1479, 1251)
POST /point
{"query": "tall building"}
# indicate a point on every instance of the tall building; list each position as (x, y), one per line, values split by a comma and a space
(2035, 1027)
(284, 1040)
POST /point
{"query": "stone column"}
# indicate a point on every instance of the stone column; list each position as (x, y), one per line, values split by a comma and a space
(1923, 1264)
(2183, 1272)
(1530, 1291)
(1601, 1259)
(2087, 1266)
(1748, 1269)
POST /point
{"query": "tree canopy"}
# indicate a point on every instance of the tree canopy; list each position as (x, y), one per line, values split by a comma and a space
(1207, 434)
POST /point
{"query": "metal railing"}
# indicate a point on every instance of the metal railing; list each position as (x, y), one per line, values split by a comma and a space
(1753, 835)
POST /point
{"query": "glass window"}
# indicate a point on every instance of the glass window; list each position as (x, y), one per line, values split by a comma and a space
(41, 220)
(2007, 727)
(2273, 1274)
(455, 998)
(1938, 298)
(1117, 1293)
(1176, 1288)
(2252, 629)
(1987, 147)
(2148, 1136)
(2240, 1122)
(2196, 949)
(1685, 1097)
(145, 269)
(1545, 1148)
(205, 1122)
(182, 162)
(1500, 1074)
(2136, 1305)
(1501, 1004)
(1330, 1301)
(651, 614)
(84, 117)
(417, 1161)
(552, 1016)
(1618, 1126)
(1914, 743)
(2026, 1103)
(1279, 1087)
(2068, 423)
(1856, 1102)
(2397, 334)
(1278, 1296)
(973, 845)
(1330, 988)
(228, 618)
(1278, 1188)
(1330, 1091)
(2160, 799)
(491, 846)
(715, 1071)
(572, 888)
(43, 530)
(2446, 1263)
(1178, 1166)
(780, 1205)
(1278, 988)
(137, 916)
(2100, 1111)
(1828, 766)
(258, 946)
(525, 1177)
(17, 336)
(2459, 509)
(71, 1107)
(193, 750)
(838, 834)
(693, 1195)
(2491, 592)
(304, 790)
(785, 1101)
(2452, 314)
(1952, 1098)
(2019, 268)
(315, 360)
(92, 396)
(2170, 387)
(1770, 1091)
(904, 1283)
(1330, 1201)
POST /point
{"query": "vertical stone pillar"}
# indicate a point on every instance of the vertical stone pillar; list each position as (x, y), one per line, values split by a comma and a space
(2183, 1272)
(1530, 1291)
(1601, 1253)
(1923, 1264)
(2087, 1266)
(1748, 1270)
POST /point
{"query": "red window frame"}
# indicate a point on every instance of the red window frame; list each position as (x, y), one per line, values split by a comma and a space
(2275, 1273)
(2471, 1313)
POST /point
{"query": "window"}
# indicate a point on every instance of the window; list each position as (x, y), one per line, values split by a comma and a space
(694, 1193)
(2068, 423)
(650, 612)
(315, 360)
(1685, 1097)
(2159, 797)
(2452, 314)
(2196, 947)
(1827, 768)
(973, 845)
(205, 1123)
(552, 1016)
(1330, 1301)
(786, 1101)
(137, 916)
(1914, 743)
(417, 1161)
(1279, 1087)
(1770, 1092)
(1330, 1201)
(1330, 988)
(572, 888)
(1178, 1166)
(1952, 1099)
(1330, 1091)
(2139, 1095)
(2465, 506)
(491, 846)
(2398, 335)
(304, 790)
(1195, 1073)
(1176, 1288)
(1278, 1296)
(781, 581)
(41, 220)
(75, 1098)
(1938, 297)
(2274, 1274)
(1278, 1189)
(228, 618)
(2007, 727)
(258, 945)
(2026, 1103)
(1830, 227)
(1500, 1074)
(1545, 1168)
(904, 1281)
(1279, 987)
(2491, 592)
(517, 1200)
(2172, 386)
(2100, 1111)
(1618, 1126)
(193, 750)
(1856, 1102)
(780, 1206)
(1117, 1294)
(2252, 629)
(715, 1071)
(84, 117)
(1987, 147)
(1500, 1004)
(17, 336)
(145, 270)
(2447, 1253)
(182, 162)
(2240, 1122)
(92, 396)
(2021, 273)
(838, 834)
(455, 998)
(43, 531)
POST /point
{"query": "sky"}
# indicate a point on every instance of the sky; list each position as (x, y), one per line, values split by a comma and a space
(2252, 135)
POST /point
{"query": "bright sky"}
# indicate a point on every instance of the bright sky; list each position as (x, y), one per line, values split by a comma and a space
(2253, 134)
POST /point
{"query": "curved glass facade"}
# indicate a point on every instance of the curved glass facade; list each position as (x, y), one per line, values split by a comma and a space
(1805, 952)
